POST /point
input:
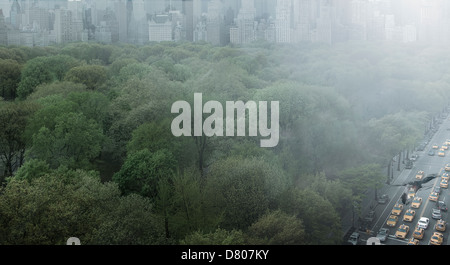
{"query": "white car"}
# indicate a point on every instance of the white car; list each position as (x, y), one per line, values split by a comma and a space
(436, 213)
(354, 238)
(423, 222)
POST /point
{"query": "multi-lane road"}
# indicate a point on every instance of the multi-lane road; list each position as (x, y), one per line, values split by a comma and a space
(430, 165)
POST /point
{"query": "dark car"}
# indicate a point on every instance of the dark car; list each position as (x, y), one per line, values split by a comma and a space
(409, 164)
(442, 206)
(431, 153)
(370, 216)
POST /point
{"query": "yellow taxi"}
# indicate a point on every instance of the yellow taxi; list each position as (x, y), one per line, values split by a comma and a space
(434, 196)
(420, 174)
(445, 176)
(447, 142)
(392, 221)
(445, 147)
(418, 233)
(435, 146)
(402, 231)
(411, 193)
(444, 183)
(441, 225)
(417, 201)
(409, 215)
(447, 167)
(413, 241)
(397, 210)
(437, 238)
(441, 153)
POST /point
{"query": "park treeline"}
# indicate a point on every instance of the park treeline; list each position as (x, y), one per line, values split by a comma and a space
(86, 148)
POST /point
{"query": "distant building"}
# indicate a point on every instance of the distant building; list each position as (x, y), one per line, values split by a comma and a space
(103, 33)
(63, 28)
(3, 30)
(283, 21)
(15, 15)
(244, 30)
(160, 28)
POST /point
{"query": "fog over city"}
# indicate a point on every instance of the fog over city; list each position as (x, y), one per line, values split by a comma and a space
(224, 122)
(220, 22)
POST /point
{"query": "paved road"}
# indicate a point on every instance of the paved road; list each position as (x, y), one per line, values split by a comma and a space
(429, 164)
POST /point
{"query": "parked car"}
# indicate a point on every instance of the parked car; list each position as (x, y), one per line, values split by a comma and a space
(409, 164)
(383, 234)
(383, 199)
(354, 238)
(370, 216)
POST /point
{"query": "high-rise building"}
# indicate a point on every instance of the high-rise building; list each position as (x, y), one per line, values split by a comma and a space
(3, 30)
(39, 17)
(244, 30)
(301, 20)
(192, 10)
(15, 15)
(358, 26)
(283, 21)
(63, 29)
(138, 25)
(160, 28)
(121, 14)
(214, 23)
(430, 18)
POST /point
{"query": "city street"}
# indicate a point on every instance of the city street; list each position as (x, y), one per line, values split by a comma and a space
(430, 165)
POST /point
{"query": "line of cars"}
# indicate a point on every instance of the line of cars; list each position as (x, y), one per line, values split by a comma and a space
(442, 149)
(402, 231)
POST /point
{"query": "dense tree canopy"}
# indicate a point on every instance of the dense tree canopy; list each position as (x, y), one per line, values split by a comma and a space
(86, 147)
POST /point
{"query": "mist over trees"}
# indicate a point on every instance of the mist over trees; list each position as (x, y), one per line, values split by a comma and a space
(86, 148)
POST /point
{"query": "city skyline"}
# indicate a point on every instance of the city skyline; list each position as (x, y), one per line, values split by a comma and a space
(220, 22)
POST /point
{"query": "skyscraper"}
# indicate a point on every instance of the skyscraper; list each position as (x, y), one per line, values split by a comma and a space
(3, 30)
(244, 30)
(15, 15)
(138, 28)
(63, 26)
(120, 10)
(283, 21)
(192, 10)
(214, 22)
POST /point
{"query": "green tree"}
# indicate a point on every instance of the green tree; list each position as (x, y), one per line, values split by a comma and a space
(132, 221)
(157, 135)
(34, 73)
(13, 121)
(243, 189)
(10, 73)
(143, 170)
(189, 210)
(92, 76)
(74, 142)
(277, 228)
(48, 209)
(32, 169)
(218, 237)
(320, 220)
(360, 179)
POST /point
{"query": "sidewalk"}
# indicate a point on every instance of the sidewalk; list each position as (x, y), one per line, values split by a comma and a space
(368, 203)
